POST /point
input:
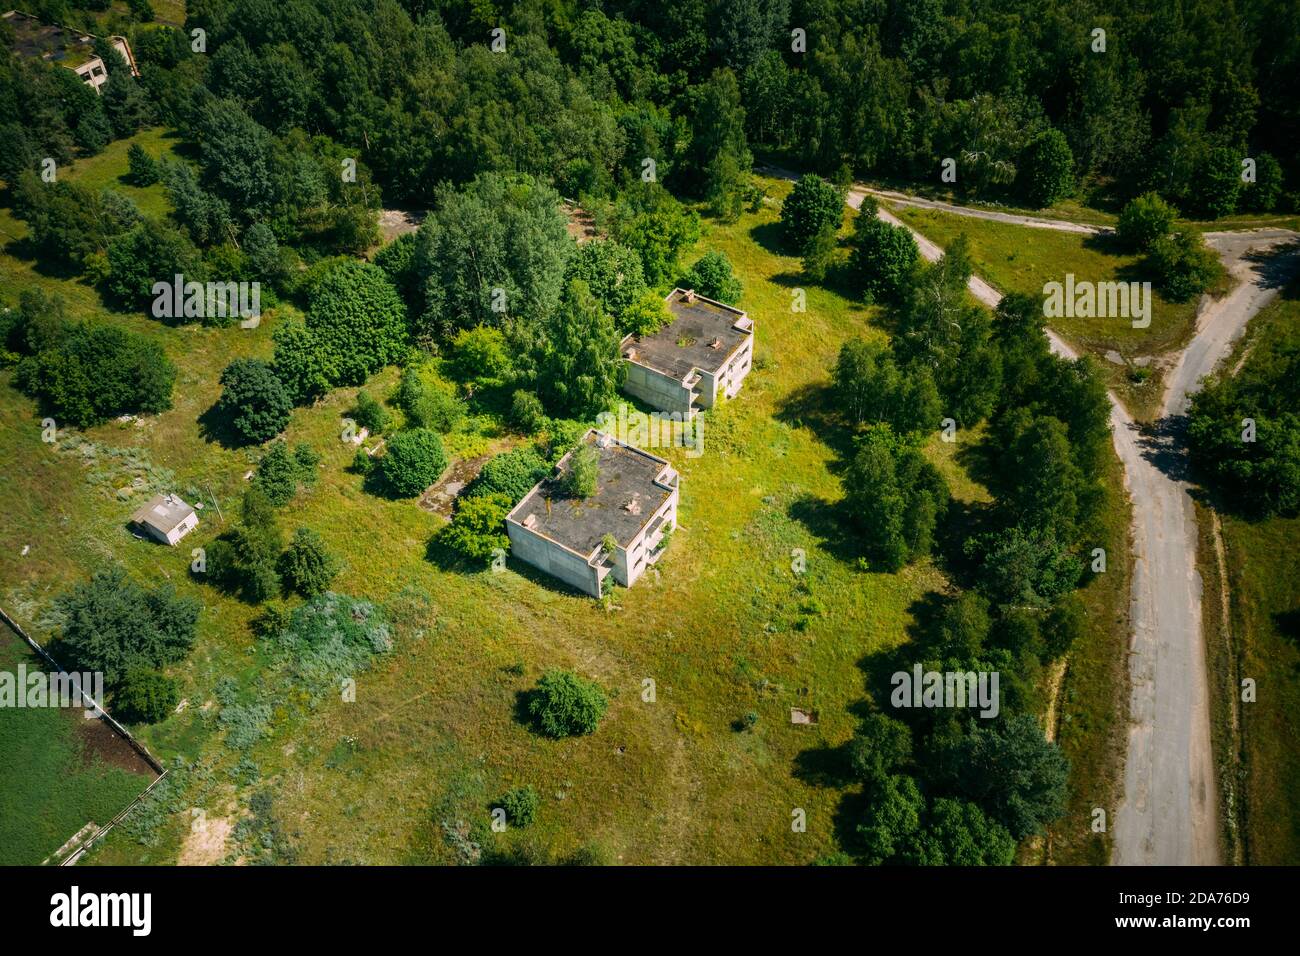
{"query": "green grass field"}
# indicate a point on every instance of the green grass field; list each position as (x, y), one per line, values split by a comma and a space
(55, 781)
(432, 738)
(1264, 588)
(1094, 693)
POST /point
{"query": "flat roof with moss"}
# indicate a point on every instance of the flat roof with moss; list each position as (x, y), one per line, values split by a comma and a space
(627, 496)
(49, 41)
(703, 334)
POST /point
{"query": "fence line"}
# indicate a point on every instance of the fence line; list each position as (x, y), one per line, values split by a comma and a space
(102, 714)
(77, 854)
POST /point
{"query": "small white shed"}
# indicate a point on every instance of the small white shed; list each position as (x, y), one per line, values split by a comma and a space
(166, 518)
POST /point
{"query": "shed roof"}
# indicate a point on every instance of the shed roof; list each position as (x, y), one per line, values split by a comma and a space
(163, 513)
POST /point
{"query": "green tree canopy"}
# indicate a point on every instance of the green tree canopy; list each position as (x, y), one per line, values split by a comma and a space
(412, 461)
(253, 400)
(113, 625)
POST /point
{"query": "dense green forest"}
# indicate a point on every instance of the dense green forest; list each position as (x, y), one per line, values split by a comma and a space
(300, 120)
(1171, 96)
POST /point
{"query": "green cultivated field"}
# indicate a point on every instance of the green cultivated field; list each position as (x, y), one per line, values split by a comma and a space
(54, 781)
(432, 738)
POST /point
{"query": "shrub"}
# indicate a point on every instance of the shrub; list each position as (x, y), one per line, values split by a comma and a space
(307, 461)
(613, 273)
(818, 255)
(298, 362)
(245, 559)
(150, 252)
(481, 357)
(520, 805)
(478, 528)
(1183, 265)
(526, 411)
(512, 473)
(277, 475)
(265, 259)
(439, 410)
(428, 404)
(1065, 625)
(895, 497)
(397, 260)
(413, 461)
(1025, 568)
(253, 400)
(1217, 183)
(813, 206)
(306, 566)
(146, 697)
(578, 365)
(1265, 192)
(113, 625)
(362, 463)
(370, 414)
(357, 320)
(713, 278)
(583, 471)
(658, 227)
(1144, 220)
(273, 619)
(565, 705)
(86, 374)
(647, 315)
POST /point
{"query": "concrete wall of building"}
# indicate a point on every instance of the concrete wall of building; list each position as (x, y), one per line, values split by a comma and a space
(181, 530)
(93, 72)
(555, 560)
(656, 390)
(633, 562)
(733, 374)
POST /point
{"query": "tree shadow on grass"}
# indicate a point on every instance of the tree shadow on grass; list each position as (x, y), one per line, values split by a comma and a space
(1107, 243)
(214, 427)
(828, 768)
(1288, 625)
(771, 237)
(376, 484)
(829, 525)
(811, 406)
(824, 766)
(924, 638)
(789, 280)
(963, 520)
(25, 250)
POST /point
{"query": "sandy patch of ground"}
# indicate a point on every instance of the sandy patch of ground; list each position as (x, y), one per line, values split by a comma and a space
(398, 222)
(206, 844)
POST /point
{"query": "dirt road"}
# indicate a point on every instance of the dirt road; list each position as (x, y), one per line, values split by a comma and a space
(1169, 810)
(1015, 219)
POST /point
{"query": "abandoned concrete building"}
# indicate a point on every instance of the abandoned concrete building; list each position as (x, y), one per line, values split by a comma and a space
(704, 352)
(166, 518)
(65, 47)
(635, 503)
